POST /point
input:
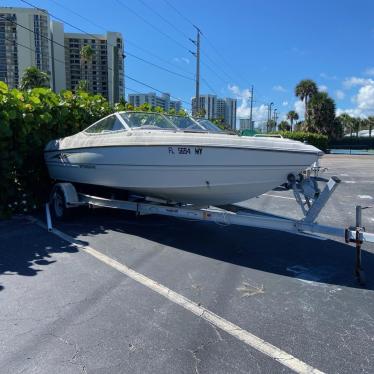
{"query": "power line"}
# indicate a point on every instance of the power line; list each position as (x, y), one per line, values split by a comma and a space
(180, 13)
(95, 37)
(153, 88)
(209, 86)
(158, 66)
(30, 49)
(218, 53)
(151, 25)
(131, 78)
(127, 40)
(164, 19)
(130, 42)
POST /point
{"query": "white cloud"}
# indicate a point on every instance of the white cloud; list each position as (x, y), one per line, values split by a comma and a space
(364, 101)
(300, 108)
(340, 95)
(355, 81)
(322, 88)
(181, 59)
(369, 71)
(240, 94)
(329, 77)
(259, 113)
(353, 112)
(279, 88)
(285, 103)
(365, 98)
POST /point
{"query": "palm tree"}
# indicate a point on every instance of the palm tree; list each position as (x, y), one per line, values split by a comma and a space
(304, 90)
(284, 126)
(346, 120)
(86, 54)
(292, 116)
(321, 114)
(371, 124)
(33, 77)
(356, 124)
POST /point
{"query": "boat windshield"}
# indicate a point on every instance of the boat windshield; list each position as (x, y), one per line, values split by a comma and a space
(185, 123)
(211, 127)
(143, 120)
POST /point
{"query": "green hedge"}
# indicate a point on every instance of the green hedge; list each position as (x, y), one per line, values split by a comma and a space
(28, 120)
(353, 142)
(318, 140)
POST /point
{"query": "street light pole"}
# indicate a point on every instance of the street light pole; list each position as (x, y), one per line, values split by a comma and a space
(269, 116)
(275, 117)
(250, 113)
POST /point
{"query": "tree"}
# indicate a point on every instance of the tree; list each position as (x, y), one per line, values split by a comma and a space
(346, 121)
(356, 125)
(292, 116)
(270, 125)
(305, 90)
(157, 109)
(33, 77)
(321, 114)
(82, 86)
(284, 126)
(371, 124)
(86, 54)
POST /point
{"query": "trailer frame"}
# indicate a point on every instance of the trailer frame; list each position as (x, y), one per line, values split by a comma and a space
(305, 189)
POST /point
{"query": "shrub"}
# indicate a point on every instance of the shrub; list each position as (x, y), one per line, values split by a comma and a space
(318, 140)
(28, 120)
(353, 142)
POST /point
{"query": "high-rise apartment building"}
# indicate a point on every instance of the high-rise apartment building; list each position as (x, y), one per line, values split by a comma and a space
(221, 108)
(214, 107)
(230, 112)
(24, 42)
(207, 105)
(29, 38)
(103, 71)
(152, 99)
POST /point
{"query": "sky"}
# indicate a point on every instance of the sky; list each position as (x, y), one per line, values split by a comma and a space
(271, 45)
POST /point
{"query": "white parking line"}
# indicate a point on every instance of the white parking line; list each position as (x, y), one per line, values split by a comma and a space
(367, 197)
(280, 197)
(246, 337)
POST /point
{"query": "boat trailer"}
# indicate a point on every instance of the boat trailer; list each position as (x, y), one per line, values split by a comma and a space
(65, 197)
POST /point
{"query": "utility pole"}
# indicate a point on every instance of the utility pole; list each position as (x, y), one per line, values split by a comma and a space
(197, 55)
(250, 113)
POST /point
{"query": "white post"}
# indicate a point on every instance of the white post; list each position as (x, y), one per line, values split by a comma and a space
(48, 215)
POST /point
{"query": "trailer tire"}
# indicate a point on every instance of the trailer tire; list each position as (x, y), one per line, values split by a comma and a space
(57, 203)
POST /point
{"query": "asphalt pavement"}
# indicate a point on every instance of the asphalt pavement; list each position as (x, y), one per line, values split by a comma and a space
(65, 311)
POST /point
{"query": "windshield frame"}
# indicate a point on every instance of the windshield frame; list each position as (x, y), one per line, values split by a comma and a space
(197, 124)
(122, 116)
(219, 131)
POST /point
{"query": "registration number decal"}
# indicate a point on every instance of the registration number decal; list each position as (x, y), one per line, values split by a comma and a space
(185, 150)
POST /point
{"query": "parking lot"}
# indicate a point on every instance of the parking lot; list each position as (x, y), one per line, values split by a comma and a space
(153, 294)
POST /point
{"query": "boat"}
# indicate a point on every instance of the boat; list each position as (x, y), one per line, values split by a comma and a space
(176, 159)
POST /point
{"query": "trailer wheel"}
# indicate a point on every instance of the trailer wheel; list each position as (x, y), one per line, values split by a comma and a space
(59, 210)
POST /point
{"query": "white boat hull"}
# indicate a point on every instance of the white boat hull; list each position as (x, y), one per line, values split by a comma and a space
(187, 174)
